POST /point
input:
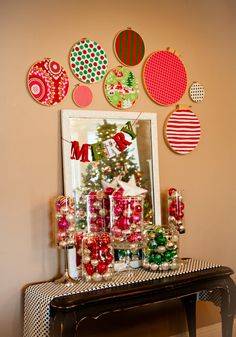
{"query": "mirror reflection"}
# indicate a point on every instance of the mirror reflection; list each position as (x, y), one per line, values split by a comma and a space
(135, 160)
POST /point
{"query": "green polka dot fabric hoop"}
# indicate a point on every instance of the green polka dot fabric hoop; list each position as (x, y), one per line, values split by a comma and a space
(121, 88)
(88, 61)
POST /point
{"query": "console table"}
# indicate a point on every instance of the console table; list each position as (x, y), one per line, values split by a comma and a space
(56, 310)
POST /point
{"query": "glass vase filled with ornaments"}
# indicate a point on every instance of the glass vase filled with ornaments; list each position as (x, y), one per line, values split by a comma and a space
(97, 250)
(175, 213)
(160, 252)
(126, 216)
(66, 237)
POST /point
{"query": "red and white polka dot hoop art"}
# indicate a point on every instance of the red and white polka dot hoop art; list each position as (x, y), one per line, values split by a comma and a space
(88, 61)
(47, 82)
(164, 77)
(182, 131)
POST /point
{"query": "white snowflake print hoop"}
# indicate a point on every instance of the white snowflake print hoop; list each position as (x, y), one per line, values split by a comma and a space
(196, 92)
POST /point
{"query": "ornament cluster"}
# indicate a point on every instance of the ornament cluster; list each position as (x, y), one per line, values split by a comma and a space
(176, 210)
(115, 234)
(160, 251)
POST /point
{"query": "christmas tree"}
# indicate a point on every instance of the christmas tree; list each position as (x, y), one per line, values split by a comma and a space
(122, 166)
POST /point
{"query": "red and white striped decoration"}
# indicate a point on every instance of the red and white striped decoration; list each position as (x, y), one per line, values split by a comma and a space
(183, 131)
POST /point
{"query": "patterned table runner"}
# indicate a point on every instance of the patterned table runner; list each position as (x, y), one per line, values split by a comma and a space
(38, 297)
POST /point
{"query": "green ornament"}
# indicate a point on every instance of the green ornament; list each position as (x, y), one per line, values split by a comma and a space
(173, 252)
(150, 258)
(161, 240)
(152, 244)
(168, 256)
(157, 259)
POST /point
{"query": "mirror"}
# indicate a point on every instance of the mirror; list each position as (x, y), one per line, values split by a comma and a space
(139, 157)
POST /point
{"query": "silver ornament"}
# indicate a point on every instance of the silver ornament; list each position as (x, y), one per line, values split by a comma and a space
(108, 275)
(174, 265)
(154, 266)
(64, 210)
(62, 244)
(97, 204)
(96, 277)
(94, 263)
(86, 259)
(93, 216)
(169, 245)
(58, 216)
(87, 278)
(70, 217)
(165, 266)
(175, 238)
(161, 249)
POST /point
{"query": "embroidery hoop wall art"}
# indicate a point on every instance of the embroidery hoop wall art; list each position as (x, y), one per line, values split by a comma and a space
(88, 61)
(82, 96)
(129, 47)
(182, 131)
(47, 82)
(121, 88)
(164, 77)
(196, 92)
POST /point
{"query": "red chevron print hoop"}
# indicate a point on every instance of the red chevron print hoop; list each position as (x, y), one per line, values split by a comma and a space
(129, 47)
(182, 131)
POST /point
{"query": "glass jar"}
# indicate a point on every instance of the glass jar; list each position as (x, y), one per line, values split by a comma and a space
(97, 250)
(97, 257)
(161, 249)
(175, 209)
(126, 215)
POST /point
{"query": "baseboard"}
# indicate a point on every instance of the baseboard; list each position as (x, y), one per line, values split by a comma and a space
(213, 330)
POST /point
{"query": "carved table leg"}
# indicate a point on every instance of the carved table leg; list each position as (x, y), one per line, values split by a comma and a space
(228, 303)
(189, 303)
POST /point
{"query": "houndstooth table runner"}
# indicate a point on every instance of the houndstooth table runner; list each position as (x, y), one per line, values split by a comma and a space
(38, 297)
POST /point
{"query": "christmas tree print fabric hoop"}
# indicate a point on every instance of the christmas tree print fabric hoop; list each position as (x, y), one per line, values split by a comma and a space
(183, 131)
(47, 82)
(88, 61)
(82, 96)
(129, 47)
(197, 92)
(121, 88)
(165, 77)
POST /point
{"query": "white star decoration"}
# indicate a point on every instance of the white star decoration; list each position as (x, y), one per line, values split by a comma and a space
(130, 188)
(113, 183)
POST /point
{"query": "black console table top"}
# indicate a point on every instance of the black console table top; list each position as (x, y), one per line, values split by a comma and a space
(54, 310)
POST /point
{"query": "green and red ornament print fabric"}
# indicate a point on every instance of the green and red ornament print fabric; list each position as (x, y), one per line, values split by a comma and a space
(88, 61)
(121, 88)
(129, 47)
(47, 82)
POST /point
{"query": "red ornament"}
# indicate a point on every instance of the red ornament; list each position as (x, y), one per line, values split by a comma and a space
(109, 258)
(63, 224)
(105, 239)
(171, 190)
(89, 268)
(109, 190)
(135, 217)
(102, 267)
(131, 238)
(105, 250)
(138, 208)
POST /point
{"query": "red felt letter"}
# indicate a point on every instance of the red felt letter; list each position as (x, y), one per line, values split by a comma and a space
(76, 152)
(121, 142)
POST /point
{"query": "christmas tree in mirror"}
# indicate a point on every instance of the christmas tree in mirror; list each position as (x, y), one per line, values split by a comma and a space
(105, 173)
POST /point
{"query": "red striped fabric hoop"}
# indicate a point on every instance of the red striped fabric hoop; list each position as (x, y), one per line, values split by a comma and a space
(183, 131)
(129, 47)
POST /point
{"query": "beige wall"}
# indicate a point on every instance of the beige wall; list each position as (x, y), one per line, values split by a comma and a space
(203, 32)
